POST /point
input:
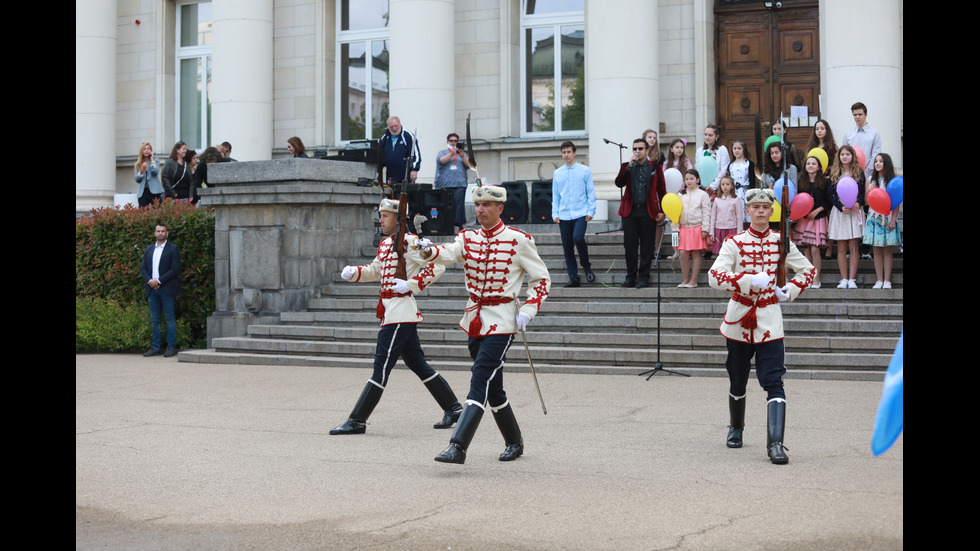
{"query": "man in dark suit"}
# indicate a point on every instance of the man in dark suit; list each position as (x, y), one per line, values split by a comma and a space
(160, 268)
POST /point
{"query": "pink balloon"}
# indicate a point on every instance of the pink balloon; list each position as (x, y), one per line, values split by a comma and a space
(879, 201)
(862, 158)
(847, 191)
(801, 206)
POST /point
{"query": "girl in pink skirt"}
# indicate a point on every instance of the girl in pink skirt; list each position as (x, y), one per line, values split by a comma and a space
(692, 227)
(810, 232)
(727, 215)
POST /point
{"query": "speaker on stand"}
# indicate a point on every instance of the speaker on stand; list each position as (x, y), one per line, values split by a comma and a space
(541, 202)
(515, 209)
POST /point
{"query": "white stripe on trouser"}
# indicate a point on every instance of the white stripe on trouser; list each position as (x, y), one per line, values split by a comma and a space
(384, 370)
(486, 391)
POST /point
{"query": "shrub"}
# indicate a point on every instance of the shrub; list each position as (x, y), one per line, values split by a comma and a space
(106, 325)
(109, 246)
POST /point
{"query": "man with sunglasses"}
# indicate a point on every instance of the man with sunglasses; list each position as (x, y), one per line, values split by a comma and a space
(451, 165)
(644, 188)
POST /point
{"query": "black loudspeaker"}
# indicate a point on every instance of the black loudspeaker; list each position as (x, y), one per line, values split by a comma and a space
(515, 209)
(435, 204)
(541, 202)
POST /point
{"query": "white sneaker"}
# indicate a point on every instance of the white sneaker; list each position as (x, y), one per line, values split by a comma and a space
(851, 284)
(878, 285)
(815, 285)
(886, 285)
(842, 284)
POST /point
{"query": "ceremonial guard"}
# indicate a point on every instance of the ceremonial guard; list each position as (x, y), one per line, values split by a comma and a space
(400, 316)
(746, 266)
(495, 259)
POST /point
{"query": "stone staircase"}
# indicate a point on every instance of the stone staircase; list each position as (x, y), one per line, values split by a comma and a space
(596, 328)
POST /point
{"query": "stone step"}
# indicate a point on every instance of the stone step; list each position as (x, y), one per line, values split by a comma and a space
(518, 364)
(882, 343)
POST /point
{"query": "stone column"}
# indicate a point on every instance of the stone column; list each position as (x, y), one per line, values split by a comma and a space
(623, 87)
(241, 103)
(95, 103)
(422, 73)
(861, 60)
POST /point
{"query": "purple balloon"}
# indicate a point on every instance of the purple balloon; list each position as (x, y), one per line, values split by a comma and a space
(847, 191)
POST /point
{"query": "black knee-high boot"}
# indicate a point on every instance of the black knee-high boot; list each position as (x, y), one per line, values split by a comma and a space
(355, 424)
(511, 432)
(446, 399)
(736, 411)
(469, 420)
(777, 424)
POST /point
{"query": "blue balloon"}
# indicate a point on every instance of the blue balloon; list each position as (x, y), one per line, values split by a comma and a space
(778, 188)
(707, 167)
(894, 190)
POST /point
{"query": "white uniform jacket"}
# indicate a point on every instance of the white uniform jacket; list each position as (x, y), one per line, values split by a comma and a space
(494, 263)
(396, 307)
(753, 314)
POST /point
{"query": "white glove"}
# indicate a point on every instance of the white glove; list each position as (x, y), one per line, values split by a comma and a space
(523, 318)
(782, 293)
(423, 244)
(348, 272)
(401, 286)
(761, 280)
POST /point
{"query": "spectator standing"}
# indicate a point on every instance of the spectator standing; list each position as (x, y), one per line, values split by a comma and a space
(572, 208)
(161, 270)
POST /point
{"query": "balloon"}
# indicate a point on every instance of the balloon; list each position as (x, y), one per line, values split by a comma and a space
(707, 167)
(821, 155)
(847, 191)
(895, 191)
(672, 207)
(801, 206)
(778, 189)
(674, 180)
(777, 212)
(862, 158)
(879, 201)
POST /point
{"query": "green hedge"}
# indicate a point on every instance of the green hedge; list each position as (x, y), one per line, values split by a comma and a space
(109, 245)
(106, 325)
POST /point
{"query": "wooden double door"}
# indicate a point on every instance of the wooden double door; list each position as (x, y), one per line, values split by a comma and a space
(768, 60)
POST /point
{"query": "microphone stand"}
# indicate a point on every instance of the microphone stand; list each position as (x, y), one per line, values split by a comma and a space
(621, 148)
(659, 366)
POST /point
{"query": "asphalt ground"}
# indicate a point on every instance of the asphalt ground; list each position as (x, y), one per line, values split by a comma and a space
(193, 456)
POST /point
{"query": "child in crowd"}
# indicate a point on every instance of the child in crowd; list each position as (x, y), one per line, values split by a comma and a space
(846, 225)
(727, 213)
(810, 232)
(742, 171)
(823, 138)
(677, 156)
(881, 231)
(712, 148)
(692, 227)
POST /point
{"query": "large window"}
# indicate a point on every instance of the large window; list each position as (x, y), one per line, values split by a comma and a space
(553, 66)
(362, 48)
(194, 74)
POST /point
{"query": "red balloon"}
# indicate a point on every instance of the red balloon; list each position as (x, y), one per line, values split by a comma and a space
(801, 206)
(879, 201)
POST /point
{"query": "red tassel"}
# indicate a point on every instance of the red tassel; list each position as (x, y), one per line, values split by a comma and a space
(750, 321)
(475, 326)
(380, 310)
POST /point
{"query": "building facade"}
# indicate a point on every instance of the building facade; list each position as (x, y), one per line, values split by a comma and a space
(532, 74)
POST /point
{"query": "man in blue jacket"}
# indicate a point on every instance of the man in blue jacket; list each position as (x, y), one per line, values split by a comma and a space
(160, 268)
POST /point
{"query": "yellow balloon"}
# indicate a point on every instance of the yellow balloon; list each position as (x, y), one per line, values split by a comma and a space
(672, 207)
(821, 156)
(777, 211)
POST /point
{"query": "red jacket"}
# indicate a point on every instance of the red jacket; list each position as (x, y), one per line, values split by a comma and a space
(658, 188)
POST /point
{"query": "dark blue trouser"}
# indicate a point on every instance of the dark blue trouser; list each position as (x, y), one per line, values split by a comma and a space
(399, 340)
(160, 302)
(487, 379)
(769, 367)
(573, 237)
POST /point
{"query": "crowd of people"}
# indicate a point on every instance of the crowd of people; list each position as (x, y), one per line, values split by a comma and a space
(180, 176)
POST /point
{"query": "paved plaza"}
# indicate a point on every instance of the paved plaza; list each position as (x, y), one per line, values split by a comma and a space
(192, 456)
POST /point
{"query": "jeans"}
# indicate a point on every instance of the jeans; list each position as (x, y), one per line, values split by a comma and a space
(165, 303)
(573, 237)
